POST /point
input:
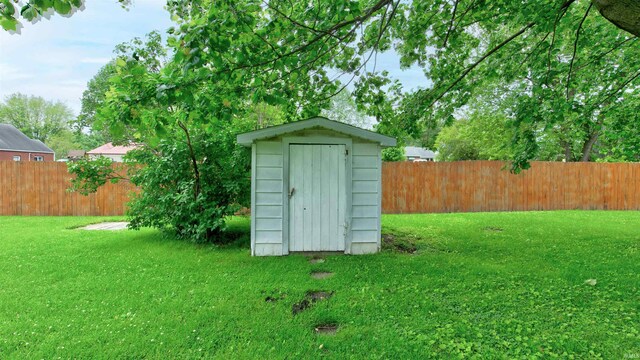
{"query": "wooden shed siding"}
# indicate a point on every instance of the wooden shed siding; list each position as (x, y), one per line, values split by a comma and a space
(267, 209)
(365, 186)
(268, 224)
(364, 199)
(268, 249)
(365, 174)
(269, 186)
(271, 159)
(268, 173)
(367, 223)
(268, 198)
(365, 161)
(365, 148)
(365, 209)
(268, 237)
(364, 248)
(364, 236)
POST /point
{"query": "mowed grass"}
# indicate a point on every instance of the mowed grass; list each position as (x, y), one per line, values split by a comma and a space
(483, 285)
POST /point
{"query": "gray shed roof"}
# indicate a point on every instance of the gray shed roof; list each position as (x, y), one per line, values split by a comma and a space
(247, 139)
(422, 153)
(12, 139)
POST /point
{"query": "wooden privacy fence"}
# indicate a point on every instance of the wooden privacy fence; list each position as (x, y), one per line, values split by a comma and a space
(466, 186)
(40, 188)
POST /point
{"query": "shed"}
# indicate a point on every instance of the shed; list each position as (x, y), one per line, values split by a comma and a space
(315, 186)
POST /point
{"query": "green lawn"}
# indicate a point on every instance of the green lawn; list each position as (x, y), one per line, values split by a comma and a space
(484, 285)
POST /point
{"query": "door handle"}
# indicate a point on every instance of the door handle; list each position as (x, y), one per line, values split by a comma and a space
(291, 192)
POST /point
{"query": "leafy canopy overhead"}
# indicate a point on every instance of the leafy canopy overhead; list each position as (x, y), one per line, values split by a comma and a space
(565, 61)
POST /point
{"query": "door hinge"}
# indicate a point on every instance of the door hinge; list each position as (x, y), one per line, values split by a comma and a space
(346, 152)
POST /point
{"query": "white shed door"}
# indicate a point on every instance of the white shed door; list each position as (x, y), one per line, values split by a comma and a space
(316, 197)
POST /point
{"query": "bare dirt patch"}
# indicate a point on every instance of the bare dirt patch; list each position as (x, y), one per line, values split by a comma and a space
(310, 298)
(316, 260)
(493, 229)
(274, 296)
(399, 243)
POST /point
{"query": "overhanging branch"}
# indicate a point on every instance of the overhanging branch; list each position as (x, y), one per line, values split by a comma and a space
(575, 48)
(479, 61)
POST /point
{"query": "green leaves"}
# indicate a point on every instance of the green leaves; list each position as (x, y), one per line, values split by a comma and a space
(8, 23)
(90, 174)
(32, 11)
(29, 12)
(62, 6)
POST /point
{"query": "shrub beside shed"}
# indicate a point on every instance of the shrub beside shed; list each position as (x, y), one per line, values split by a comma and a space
(315, 186)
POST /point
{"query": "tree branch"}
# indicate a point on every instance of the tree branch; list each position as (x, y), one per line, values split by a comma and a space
(326, 32)
(575, 48)
(561, 12)
(295, 22)
(479, 61)
(615, 47)
(194, 161)
(453, 16)
(617, 90)
(383, 28)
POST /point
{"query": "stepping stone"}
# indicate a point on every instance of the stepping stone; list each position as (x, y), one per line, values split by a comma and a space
(321, 274)
(326, 329)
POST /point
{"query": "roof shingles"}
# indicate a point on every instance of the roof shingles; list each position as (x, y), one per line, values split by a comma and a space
(110, 149)
(12, 139)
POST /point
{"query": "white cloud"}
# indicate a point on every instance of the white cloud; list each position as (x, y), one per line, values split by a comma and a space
(56, 58)
(12, 73)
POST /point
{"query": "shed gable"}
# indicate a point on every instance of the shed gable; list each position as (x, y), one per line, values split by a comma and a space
(249, 138)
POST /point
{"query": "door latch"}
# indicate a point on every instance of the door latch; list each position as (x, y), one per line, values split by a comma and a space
(291, 192)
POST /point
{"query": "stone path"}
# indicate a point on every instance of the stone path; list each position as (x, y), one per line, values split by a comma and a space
(107, 226)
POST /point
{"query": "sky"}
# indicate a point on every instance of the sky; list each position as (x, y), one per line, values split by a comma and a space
(56, 58)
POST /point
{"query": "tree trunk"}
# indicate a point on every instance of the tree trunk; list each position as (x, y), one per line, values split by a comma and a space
(567, 152)
(194, 161)
(625, 14)
(588, 145)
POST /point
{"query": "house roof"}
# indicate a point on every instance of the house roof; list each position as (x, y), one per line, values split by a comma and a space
(110, 149)
(248, 138)
(76, 153)
(12, 139)
(414, 151)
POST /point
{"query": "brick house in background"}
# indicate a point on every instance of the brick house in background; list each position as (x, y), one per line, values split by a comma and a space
(16, 146)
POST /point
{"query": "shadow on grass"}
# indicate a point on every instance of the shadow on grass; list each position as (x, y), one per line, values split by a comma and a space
(237, 235)
(407, 242)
